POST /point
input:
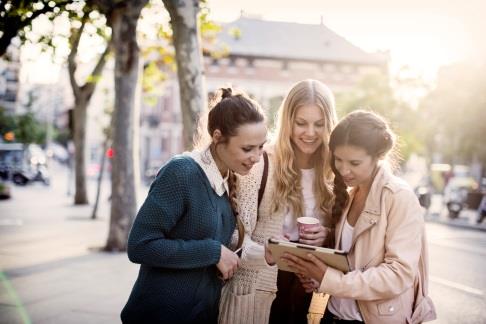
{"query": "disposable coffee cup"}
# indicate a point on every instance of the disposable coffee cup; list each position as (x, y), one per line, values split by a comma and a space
(304, 223)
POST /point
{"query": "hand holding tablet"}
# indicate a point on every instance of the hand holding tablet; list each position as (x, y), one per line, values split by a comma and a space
(333, 258)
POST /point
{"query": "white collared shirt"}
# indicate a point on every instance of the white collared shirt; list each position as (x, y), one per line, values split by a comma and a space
(206, 161)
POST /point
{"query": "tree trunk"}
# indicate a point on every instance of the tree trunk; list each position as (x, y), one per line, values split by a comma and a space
(125, 168)
(190, 70)
(82, 96)
(80, 117)
(104, 147)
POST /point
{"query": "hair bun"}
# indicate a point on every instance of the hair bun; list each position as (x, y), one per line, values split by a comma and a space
(226, 92)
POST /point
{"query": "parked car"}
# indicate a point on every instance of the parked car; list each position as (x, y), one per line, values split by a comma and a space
(58, 152)
(4, 190)
(23, 163)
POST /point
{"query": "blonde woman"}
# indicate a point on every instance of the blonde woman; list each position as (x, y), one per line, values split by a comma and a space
(298, 184)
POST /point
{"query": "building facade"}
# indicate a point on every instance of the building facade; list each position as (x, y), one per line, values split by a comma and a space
(263, 58)
(9, 78)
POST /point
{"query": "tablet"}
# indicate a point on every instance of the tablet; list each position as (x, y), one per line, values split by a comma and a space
(333, 258)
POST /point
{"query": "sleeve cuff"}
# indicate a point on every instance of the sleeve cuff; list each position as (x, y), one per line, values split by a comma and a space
(331, 277)
(254, 255)
(214, 251)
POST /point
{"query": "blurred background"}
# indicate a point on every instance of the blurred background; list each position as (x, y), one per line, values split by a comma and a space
(96, 95)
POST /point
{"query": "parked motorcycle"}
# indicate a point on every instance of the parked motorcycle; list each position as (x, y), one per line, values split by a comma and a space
(481, 210)
(424, 196)
(460, 193)
(455, 201)
(42, 175)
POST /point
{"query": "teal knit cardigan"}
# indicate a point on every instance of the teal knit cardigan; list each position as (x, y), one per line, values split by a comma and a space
(176, 238)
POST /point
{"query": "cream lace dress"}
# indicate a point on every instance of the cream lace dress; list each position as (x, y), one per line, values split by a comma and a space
(248, 296)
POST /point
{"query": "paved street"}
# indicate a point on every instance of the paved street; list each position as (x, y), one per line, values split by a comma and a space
(457, 273)
(52, 272)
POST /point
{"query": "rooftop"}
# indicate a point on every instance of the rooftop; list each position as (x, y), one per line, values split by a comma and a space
(293, 41)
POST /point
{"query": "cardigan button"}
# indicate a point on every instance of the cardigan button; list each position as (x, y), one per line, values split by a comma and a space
(391, 309)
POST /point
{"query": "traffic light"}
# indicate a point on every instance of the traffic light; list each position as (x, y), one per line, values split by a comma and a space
(110, 153)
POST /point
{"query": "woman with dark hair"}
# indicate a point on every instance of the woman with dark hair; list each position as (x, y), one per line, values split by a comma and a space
(380, 224)
(182, 232)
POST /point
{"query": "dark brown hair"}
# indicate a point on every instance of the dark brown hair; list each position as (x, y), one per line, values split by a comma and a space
(363, 129)
(230, 111)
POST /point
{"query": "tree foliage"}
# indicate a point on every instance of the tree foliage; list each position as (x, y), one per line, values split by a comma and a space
(375, 92)
(7, 122)
(78, 35)
(157, 46)
(16, 17)
(455, 112)
(25, 127)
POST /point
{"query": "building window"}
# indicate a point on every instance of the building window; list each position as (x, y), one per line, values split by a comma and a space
(250, 67)
(285, 65)
(329, 67)
(164, 144)
(347, 68)
(232, 66)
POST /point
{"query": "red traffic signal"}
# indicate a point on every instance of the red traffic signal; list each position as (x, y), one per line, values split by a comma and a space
(110, 153)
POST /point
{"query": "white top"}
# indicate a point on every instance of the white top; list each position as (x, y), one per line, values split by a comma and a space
(290, 221)
(345, 308)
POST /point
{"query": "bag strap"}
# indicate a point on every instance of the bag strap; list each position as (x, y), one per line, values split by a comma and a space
(241, 229)
(264, 178)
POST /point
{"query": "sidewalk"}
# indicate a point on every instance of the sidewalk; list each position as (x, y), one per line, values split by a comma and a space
(467, 218)
(51, 270)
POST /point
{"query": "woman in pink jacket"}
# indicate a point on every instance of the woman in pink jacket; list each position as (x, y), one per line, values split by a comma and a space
(380, 224)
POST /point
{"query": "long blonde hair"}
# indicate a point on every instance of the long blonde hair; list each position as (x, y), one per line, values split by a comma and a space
(288, 192)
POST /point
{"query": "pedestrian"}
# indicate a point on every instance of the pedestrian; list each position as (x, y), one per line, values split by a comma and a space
(182, 232)
(380, 225)
(297, 183)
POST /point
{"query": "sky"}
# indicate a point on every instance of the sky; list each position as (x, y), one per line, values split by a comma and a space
(420, 34)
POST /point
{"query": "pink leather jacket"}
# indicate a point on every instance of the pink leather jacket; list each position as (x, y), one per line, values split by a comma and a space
(388, 256)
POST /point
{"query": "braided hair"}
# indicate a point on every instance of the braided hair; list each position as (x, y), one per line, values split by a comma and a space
(363, 129)
(230, 111)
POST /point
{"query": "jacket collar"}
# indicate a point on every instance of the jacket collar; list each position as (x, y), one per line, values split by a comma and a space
(372, 209)
(381, 180)
(372, 204)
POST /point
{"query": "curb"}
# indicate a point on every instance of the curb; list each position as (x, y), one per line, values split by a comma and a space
(460, 222)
